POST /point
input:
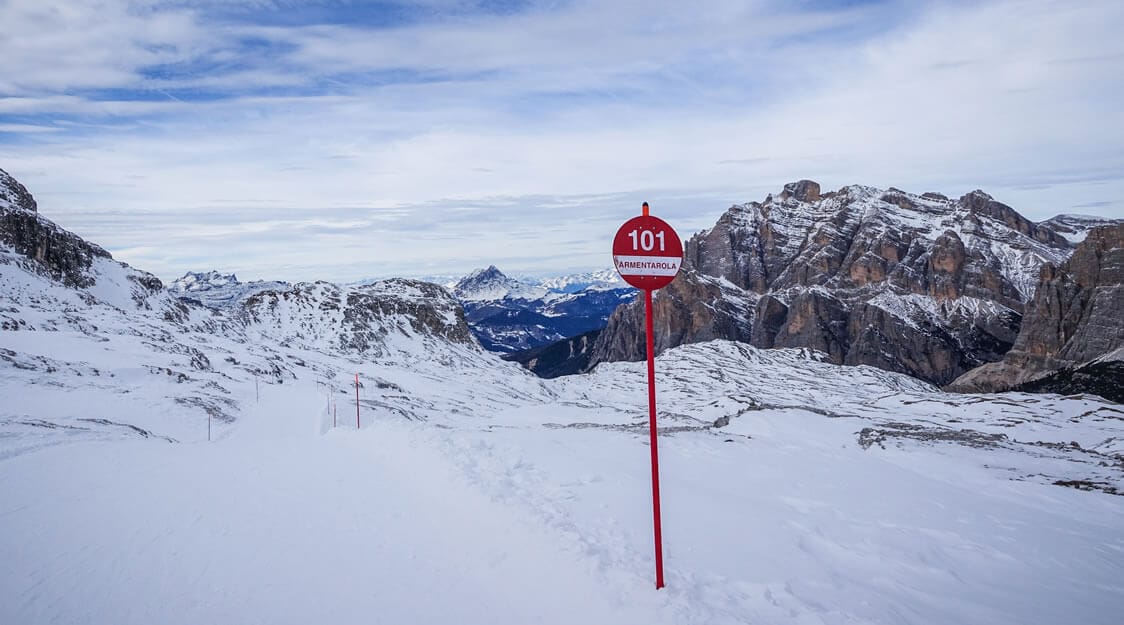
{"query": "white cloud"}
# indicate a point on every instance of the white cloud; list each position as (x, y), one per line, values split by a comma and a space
(343, 147)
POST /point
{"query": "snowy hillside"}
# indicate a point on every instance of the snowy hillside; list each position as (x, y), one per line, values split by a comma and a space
(794, 491)
(1076, 227)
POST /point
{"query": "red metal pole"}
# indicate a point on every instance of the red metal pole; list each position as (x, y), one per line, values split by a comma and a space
(652, 433)
(357, 401)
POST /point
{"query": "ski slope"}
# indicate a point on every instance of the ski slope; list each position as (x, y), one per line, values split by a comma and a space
(533, 505)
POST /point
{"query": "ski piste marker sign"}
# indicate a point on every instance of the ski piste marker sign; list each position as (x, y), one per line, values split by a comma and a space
(648, 254)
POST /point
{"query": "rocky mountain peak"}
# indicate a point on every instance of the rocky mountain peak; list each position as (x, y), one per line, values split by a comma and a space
(492, 284)
(193, 282)
(802, 191)
(490, 273)
(979, 203)
(15, 194)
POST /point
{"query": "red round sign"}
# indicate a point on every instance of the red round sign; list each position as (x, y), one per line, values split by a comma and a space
(647, 252)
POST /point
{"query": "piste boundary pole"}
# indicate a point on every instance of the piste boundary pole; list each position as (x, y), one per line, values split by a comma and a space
(654, 443)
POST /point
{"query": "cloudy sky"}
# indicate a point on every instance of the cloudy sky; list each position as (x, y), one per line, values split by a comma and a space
(347, 139)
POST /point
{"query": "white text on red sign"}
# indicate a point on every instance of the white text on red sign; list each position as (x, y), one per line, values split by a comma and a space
(647, 265)
(646, 241)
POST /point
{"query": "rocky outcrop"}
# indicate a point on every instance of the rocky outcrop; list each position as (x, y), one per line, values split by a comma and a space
(49, 250)
(565, 357)
(1072, 326)
(15, 194)
(691, 309)
(918, 284)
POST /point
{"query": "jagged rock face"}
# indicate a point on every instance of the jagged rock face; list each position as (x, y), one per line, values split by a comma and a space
(919, 284)
(15, 194)
(1086, 298)
(691, 309)
(1076, 318)
(49, 250)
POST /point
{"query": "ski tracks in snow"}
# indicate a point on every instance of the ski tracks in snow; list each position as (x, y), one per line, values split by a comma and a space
(590, 530)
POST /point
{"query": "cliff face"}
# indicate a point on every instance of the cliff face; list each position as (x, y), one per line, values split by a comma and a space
(40, 246)
(1073, 333)
(919, 284)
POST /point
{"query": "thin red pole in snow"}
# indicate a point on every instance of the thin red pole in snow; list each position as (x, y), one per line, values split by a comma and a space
(652, 433)
(357, 401)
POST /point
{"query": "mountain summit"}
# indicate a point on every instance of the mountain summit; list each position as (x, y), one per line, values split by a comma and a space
(491, 284)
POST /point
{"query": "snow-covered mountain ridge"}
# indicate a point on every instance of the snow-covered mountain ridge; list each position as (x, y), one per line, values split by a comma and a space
(509, 315)
(504, 313)
(218, 290)
(491, 284)
(921, 284)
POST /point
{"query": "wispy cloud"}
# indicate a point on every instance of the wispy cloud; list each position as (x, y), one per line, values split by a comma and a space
(334, 138)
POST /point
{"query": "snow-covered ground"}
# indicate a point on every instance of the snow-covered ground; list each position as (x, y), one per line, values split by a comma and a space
(475, 493)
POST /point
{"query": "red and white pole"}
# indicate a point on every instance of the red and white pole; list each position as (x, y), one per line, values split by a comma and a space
(653, 440)
(648, 255)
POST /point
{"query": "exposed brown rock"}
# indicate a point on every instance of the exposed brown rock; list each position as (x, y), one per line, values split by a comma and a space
(1076, 317)
(691, 309)
(50, 250)
(803, 191)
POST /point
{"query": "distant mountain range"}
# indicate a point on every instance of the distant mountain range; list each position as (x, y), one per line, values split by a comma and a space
(508, 315)
(918, 284)
(505, 314)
